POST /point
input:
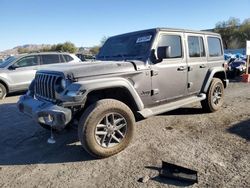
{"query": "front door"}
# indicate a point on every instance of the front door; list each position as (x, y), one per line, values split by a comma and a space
(23, 71)
(169, 77)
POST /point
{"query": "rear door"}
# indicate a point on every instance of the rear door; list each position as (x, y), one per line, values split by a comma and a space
(48, 59)
(169, 77)
(197, 62)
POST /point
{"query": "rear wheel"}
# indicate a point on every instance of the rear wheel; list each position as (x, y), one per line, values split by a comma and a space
(215, 96)
(3, 91)
(106, 128)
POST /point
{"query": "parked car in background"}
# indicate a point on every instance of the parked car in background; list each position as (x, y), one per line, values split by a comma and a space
(1, 60)
(236, 64)
(17, 72)
(237, 67)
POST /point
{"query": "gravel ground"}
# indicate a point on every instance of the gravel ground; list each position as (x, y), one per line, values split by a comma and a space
(216, 145)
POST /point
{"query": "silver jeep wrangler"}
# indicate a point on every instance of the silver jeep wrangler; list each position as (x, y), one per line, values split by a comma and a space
(135, 75)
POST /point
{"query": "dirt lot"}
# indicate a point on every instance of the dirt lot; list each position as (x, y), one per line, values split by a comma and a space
(216, 145)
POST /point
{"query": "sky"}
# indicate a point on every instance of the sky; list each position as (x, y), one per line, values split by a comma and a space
(86, 22)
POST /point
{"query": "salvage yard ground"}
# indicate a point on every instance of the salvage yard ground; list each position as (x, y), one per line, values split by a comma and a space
(216, 145)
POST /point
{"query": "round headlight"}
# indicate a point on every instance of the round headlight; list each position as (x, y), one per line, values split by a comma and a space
(63, 83)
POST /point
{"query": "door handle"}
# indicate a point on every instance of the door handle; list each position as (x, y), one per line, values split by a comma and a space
(182, 68)
(202, 66)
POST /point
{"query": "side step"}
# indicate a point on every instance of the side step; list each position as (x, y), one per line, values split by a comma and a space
(147, 112)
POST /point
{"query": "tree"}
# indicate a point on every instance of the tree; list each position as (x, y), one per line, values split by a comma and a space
(244, 32)
(65, 47)
(46, 49)
(94, 50)
(228, 30)
(103, 40)
(22, 50)
(69, 47)
(234, 34)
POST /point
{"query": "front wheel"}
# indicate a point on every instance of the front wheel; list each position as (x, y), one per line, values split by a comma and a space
(215, 96)
(106, 128)
(3, 91)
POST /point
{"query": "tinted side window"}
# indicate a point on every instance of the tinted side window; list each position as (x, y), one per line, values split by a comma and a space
(214, 47)
(50, 59)
(174, 41)
(196, 46)
(67, 58)
(27, 61)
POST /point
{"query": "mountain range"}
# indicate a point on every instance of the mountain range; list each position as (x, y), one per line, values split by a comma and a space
(28, 47)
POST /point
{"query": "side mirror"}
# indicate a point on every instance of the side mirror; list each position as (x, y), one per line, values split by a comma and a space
(12, 67)
(163, 52)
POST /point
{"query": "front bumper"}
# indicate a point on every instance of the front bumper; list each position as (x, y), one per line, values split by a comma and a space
(45, 112)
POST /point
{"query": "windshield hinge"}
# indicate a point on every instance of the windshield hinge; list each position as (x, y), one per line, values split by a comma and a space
(154, 92)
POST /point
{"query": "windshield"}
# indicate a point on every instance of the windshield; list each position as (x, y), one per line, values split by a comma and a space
(130, 46)
(7, 61)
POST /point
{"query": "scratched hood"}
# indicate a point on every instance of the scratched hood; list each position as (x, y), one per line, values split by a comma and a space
(94, 68)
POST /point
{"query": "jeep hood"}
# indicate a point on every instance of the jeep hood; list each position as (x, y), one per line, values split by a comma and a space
(95, 68)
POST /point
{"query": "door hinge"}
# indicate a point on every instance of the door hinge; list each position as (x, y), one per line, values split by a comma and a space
(154, 91)
(190, 68)
(190, 84)
(154, 72)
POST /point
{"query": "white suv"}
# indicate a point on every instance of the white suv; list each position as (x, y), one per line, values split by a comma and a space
(17, 72)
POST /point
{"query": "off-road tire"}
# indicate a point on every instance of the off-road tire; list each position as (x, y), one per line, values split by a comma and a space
(208, 105)
(3, 91)
(93, 115)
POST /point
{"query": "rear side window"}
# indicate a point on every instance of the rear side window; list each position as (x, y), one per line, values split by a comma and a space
(67, 58)
(214, 47)
(196, 46)
(62, 60)
(50, 59)
(174, 41)
(27, 61)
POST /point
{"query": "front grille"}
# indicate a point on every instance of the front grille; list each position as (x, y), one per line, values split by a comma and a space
(45, 86)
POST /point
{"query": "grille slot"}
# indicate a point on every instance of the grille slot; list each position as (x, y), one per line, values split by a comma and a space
(45, 86)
